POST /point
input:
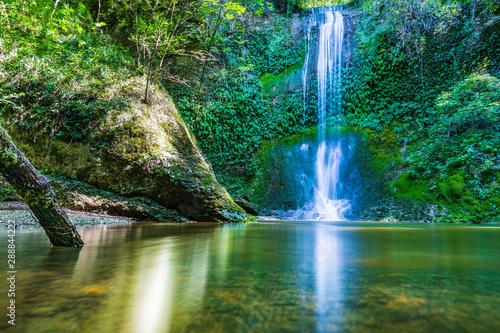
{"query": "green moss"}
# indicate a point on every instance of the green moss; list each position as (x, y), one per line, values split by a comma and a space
(8, 157)
(383, 146)
(402, 184)
(407, 186)
(270, 81)
(452, 188)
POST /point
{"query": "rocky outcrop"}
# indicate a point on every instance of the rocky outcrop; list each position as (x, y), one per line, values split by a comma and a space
(249, 207)
(74, 195)
(79, 196)
(136, 150)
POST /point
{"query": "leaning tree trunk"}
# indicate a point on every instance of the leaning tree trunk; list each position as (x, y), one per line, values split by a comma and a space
(37, 193)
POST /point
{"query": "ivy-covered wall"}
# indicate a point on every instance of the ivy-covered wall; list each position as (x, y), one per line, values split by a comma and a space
(243, 100)
(405, 100)
(441, 106)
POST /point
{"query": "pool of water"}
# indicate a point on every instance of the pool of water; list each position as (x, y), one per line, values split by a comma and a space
(260, 277)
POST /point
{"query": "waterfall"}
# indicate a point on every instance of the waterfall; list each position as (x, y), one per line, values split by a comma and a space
(327, 205)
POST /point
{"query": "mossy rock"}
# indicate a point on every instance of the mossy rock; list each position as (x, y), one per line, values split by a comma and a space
(136, 150)
(452, 188)
(402, 184)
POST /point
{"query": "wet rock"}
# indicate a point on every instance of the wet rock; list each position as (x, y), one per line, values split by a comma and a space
(75, 195)
(248, 206)
(78, 196)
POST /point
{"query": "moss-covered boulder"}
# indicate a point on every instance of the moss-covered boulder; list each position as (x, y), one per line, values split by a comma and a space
(71, 98)
(452, 188)
(134, 150)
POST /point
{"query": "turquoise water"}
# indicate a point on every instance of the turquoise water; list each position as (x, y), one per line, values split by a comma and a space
(260, 277)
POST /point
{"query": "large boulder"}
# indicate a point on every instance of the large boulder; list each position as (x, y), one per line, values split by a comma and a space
(133, 150)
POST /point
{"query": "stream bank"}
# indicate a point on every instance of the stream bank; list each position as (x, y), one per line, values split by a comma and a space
(20, 213)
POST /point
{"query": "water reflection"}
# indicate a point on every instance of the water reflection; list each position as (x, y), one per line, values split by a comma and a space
(328, 275)
(267, 277)
(152, 304)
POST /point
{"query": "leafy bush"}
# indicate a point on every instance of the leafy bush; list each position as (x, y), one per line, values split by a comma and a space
(465, 137)
(438, 100)
(473, 104)
(452, 188)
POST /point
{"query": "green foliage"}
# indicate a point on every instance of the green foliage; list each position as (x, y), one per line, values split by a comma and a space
(258, 7)
(272, 48)
(473, 104)
(465, 137)
(230, 118)
(382, 86)
(455, 166)
(270, 81)
(448, 140)
(56, 66)
(155, 34)
(43, 18)
(285, 6)
(214, 14)
(55, 80)
(491, 5)
(409, 22)
(234, 113)
(452, 188)
(7, 193)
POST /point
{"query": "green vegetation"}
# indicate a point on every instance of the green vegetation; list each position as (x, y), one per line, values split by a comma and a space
(68, 63)
(56, 68)
(458, 157)
(235, 113)
(421, 80)
(72, 98)
(270, 81)
(434, 84)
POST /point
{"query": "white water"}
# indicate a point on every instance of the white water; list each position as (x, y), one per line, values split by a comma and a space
(327, 205)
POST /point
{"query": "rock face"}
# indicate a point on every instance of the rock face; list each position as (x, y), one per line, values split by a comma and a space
(74, 195)
(249, 207)
(136, 150)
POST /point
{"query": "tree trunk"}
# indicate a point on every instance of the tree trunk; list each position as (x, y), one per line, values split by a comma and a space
(37, 193)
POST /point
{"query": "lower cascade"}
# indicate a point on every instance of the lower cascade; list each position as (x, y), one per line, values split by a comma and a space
(327, 205)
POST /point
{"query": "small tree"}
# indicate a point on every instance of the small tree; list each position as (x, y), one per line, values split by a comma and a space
(215, 12)
(156, 36)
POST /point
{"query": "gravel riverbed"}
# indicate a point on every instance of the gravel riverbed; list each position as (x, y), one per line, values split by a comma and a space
(25, 221)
